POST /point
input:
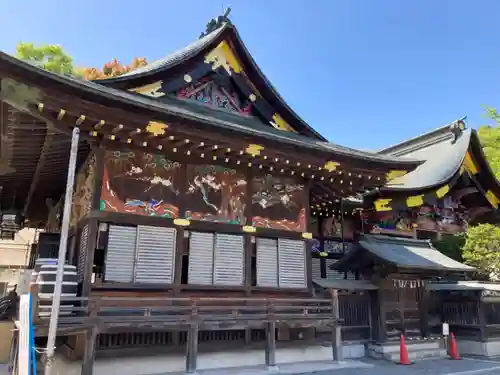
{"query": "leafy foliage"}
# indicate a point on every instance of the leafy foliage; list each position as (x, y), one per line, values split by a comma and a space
(451, 246)
(51, 57)
(113, 69)
(54, 58)
(490, 140)
(482, 249)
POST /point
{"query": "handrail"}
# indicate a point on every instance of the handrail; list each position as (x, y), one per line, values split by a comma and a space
(200, 310)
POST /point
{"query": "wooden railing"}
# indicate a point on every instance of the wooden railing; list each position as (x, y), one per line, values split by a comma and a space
(115, 313)
(468, 318)
(188, 315)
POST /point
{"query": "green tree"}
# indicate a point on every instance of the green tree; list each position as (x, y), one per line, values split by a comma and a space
(490, 140)
(451, 246)
(54, 58)
(51, 57)
(482, 249)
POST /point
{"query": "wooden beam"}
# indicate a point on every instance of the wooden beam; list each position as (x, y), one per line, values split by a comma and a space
(40, 164)
(460, 193)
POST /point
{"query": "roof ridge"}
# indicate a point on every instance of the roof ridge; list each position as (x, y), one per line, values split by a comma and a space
(432, 135)
(173, 58)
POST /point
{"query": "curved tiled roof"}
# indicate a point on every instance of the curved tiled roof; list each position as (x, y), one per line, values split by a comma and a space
(442, 160)
(203, 115)
(172, 59)
(403, 253)
(201, 45)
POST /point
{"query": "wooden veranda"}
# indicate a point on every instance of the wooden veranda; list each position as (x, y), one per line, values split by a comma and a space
(189, 316)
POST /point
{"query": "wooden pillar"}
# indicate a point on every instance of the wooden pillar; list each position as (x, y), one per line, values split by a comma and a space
(70, 253)
(249, 245)
(180, 241)
(271, 345)
(247, 272)
(309, 228)
(322, 265)
(425, 303)
(180, 245)
(89, 351)
(379, 307)
(481, 317)
(192, 349)
(89, 257)
(99, 154)
(336, 328)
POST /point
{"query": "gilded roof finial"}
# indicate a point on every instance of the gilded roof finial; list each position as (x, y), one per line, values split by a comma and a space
(215, 23)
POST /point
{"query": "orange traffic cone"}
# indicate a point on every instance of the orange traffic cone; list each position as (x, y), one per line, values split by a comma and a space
(454, 354)
(403, 353)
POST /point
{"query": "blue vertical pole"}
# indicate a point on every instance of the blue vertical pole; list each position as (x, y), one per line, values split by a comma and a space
(30, 330)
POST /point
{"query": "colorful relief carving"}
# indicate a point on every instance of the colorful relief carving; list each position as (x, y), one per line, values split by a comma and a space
(139, 183)
(448, 216)
(316, 245)
(325, 246)
(55, 216)
(397, 221)
(215, 194)
(83, 191)
(332, 227)
(278, 203)
(208, 92)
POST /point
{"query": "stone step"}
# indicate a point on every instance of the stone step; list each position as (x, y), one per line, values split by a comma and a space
(412, 346)
(416, 350)
(416, 355)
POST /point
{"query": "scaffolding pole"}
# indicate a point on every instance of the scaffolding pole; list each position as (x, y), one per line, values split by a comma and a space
(56, 302)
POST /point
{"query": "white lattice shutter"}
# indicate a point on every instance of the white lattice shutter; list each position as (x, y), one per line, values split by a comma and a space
(267, 262)
(350, 276)
(155, 255)
(333, 274)
(292, 263)
(316, 268)
(229, 259)
(201, 258)
(120, 254)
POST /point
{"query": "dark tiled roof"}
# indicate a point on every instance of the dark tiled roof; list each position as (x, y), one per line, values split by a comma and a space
(174, 58)
(420, 142)
(404, 253)
(464, 285)
(345, 284)
(203, 115)
(198, 47)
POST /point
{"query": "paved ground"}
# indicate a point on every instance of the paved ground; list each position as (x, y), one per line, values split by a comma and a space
(424, 367)
(367, 367)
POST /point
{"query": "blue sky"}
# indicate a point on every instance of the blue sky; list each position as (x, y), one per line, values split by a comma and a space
(365, 73)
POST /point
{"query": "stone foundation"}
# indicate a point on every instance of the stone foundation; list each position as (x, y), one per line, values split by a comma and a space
(416, 350)
(206, 361)
(477, 348)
